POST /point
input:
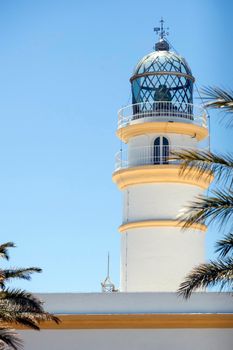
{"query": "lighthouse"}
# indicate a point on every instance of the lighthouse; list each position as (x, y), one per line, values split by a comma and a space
(156, 253)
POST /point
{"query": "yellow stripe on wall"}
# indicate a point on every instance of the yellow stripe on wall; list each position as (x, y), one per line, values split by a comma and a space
(132, 130)
(158, 223)
(140, 321)
(160, 174)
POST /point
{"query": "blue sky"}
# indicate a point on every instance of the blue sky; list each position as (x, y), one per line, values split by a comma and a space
(64, 73)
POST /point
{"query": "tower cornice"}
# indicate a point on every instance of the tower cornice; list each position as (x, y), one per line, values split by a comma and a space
(160, 174)
(159, 223)
(132, 130)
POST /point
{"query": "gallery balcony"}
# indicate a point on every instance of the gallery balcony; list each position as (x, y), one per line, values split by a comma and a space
(161, 111)
(149, 155)
(162, 117)
(155, 164)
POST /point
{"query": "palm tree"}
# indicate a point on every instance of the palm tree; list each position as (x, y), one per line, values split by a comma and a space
(18, 306)
(217, 207)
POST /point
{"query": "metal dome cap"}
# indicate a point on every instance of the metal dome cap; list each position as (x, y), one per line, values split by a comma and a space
(162, 61)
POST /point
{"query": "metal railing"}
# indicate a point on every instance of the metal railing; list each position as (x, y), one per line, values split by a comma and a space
(149, 155)
(161, 111)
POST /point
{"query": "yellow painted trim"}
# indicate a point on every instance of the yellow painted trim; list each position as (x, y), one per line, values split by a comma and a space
(132, 130)
(140, 321)
(159, 174)
(158, 223)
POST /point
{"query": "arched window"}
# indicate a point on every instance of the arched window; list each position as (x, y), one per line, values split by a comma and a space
(161, 150)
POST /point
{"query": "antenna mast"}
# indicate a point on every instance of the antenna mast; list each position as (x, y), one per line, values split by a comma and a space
(107, 285)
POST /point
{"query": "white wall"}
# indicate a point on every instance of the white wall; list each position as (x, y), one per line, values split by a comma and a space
(149, 302)
(159, 201)
(141, 148)
(158, 258)
(126, 339)
(175, 139)
(158, 339)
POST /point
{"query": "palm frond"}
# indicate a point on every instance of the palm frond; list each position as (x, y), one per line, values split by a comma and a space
(10, 314)
(7, 314)
(33, 320)
(22, 299)
(10, 339)
(225, 245)
(40, 317)
(219, 207)
(28, 322)
(215, 273)
(8, 274)
(4, 249)
(204, 162)
(217, 97)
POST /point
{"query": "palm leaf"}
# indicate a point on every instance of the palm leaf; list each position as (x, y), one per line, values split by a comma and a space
(225, 245)
(33, 320)
(215, 273)
(22, 299)
(4, 249)
(28, 322)
(10, 339)
(41, 317)
(219, 207)
(216, 97)
(7, 275)
(21, 273)
(10, 314)
(201, 162)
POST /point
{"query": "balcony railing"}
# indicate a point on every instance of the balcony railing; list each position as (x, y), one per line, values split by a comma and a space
(161, 111)
(149, 155)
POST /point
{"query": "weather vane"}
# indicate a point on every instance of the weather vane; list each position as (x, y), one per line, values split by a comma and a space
(163, 32)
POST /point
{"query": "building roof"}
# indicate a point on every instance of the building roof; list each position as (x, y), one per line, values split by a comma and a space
(137, 302)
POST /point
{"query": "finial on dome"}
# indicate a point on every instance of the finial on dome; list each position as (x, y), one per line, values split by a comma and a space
(162, 44)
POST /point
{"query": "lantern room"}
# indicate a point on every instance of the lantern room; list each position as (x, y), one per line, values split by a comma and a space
(161, 81)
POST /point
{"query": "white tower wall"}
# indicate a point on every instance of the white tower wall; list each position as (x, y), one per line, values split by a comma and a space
(175, 139)
(141, 148)
(159, 201)
(158, 258)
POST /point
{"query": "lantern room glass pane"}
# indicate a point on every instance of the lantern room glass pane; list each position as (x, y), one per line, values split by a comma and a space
(162, 76)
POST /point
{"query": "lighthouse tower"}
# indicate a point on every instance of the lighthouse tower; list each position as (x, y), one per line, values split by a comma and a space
(156, 253)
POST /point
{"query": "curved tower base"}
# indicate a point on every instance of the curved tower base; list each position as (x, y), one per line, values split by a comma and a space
(158, 258)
